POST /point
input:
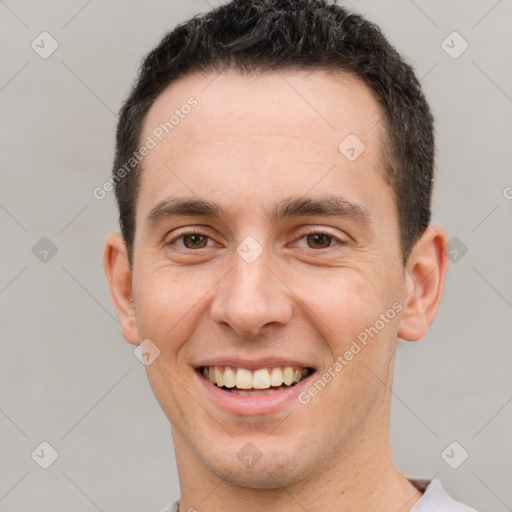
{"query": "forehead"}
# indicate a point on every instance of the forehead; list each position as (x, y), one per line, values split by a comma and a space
(260, 134)
(326, 104)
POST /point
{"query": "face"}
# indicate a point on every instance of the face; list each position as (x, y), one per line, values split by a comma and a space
(267, 271)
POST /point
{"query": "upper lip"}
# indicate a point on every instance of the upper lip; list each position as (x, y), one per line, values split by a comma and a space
(253, 364)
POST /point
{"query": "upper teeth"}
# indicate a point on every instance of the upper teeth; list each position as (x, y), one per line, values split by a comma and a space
(257, 379)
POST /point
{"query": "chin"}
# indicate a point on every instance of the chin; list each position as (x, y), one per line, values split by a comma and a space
(271, 468)
(262, 478)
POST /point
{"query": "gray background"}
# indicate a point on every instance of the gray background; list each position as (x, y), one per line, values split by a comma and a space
(66, 375)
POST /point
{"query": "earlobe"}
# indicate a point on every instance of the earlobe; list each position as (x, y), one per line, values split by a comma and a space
(425, 275)
(119, 280)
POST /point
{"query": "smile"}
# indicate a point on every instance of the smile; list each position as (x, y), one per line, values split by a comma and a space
(263, 381)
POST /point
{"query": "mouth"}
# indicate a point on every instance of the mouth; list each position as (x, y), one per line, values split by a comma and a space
(263, 381)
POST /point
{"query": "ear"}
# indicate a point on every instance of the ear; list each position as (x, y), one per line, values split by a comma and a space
(119, 280)
(426, 271)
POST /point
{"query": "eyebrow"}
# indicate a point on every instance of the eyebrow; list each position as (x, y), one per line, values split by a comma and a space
(183, 207)
(329, 206)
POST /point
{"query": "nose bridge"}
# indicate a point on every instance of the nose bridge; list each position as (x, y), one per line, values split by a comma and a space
(251, 296)
(251, 280)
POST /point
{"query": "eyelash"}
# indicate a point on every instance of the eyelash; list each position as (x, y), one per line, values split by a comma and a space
(303, 235)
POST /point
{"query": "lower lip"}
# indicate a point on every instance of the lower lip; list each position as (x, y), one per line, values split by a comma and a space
(251, 405)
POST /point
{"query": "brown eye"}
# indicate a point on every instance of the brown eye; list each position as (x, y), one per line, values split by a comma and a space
(195, 241)
(319, 240)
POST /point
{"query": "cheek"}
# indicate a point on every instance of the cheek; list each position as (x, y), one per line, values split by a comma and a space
(359, 324)
(343, 302)
(167, 305)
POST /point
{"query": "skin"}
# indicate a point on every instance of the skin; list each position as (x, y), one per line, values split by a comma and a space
(251, 143)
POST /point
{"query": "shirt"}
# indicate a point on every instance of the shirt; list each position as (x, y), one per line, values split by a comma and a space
(434, 499)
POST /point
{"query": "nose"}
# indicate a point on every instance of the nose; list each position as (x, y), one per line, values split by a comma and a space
(251, 297)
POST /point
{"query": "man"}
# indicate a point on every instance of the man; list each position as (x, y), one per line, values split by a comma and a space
(273, 174)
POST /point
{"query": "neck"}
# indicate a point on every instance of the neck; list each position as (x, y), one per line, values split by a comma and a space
(363, 477)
